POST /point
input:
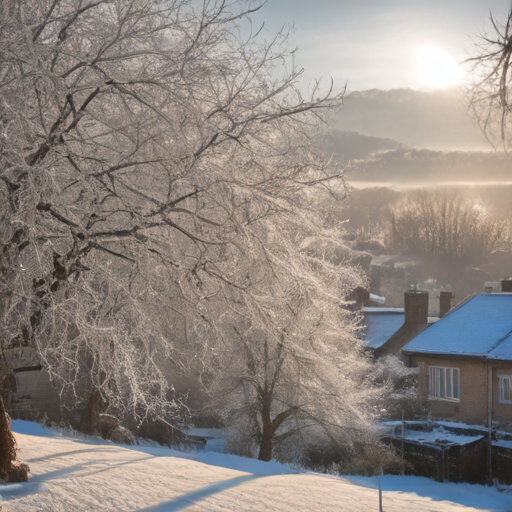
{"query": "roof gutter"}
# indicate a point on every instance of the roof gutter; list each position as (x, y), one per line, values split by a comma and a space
(483, 357)
(444, 354)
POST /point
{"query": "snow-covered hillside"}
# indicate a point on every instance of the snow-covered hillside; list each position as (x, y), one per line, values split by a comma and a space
(70, 474)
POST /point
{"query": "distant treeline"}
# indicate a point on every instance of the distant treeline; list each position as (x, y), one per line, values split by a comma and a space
(368, 209)
(424, 165)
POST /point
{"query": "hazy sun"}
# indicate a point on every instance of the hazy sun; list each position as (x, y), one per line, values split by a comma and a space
(437, 69)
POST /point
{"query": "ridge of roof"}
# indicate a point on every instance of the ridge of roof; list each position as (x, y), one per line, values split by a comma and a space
(464, 301)
(500, 341)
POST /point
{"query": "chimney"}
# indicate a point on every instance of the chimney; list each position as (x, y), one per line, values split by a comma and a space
(416, 308)
(445, 303)
(506, 285)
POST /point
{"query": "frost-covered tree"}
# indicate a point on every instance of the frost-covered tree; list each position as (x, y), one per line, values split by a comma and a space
(445, 228)
(489, 88)
(289, 363)
(154, 167)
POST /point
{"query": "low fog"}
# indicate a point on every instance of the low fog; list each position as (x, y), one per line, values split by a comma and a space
(451, 237)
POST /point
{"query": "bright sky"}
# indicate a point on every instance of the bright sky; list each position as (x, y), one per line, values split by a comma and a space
(382, 44)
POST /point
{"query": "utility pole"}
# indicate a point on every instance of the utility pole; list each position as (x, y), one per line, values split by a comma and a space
(489, 424)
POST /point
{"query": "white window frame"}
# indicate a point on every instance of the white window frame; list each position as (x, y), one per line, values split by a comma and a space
(504, 388)
(441, 380)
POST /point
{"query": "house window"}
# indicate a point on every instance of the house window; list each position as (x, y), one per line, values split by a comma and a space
(444, 383)
(505, 391)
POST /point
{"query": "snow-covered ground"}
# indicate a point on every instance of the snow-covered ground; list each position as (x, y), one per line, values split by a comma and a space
(70, 474)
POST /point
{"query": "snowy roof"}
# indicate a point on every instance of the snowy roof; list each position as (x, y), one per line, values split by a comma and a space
(439, 435)
(381, 324)
(377, 298)
(383, 310)
(480, 327)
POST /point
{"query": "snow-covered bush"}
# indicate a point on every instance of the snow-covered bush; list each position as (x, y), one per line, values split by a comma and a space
(401, 383)
(346, 455)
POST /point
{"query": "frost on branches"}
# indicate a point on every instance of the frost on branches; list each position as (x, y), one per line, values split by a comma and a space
(158, 183)
(289, 364)
(488, 92)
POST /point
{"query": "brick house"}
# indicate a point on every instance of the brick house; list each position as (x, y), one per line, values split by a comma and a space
(465, 360)
(389, 329)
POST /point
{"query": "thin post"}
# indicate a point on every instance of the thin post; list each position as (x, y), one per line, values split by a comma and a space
(403, 432)
(380, 490)
(489, 425)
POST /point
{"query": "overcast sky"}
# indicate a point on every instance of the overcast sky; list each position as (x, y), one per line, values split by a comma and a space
(382, 44)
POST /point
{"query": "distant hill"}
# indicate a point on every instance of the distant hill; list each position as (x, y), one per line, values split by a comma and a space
(409, 165)
(347, 145)
(436, 120)
(407, 136)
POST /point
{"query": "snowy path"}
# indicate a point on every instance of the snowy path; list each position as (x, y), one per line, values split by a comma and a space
(70, 475)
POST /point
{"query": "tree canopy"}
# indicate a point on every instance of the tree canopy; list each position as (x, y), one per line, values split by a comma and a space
(158, 183)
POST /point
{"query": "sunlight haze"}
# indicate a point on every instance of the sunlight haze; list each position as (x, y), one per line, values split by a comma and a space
(372, 44)
(437, 69)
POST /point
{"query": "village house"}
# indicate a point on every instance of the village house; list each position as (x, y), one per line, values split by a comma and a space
(465, 360)
(34, 395)
(387, 330)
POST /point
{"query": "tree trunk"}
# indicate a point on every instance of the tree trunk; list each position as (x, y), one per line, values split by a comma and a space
(89, 421)
(265, 453)
(7, 444)
(270, 428)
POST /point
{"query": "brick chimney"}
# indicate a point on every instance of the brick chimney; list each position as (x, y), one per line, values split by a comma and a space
(416, 308)
(445, 303)
(506, 285)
